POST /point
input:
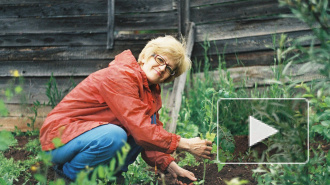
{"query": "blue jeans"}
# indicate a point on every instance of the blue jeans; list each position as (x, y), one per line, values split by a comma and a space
(94, 147)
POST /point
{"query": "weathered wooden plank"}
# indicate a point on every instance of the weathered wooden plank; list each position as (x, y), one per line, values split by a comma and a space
(23, 9)
(42, 8)
(248, 28)
(35, 89)
(70, 39)
(68, 52)
(9, 123)
(20, 116)
(129, 6)
(58, 68)
(263, 75)
(53, 39)
(26, 110)
(84, 24)
(236, 11)
(89, 24)
(249, 44)
(195, 3)
(111, 24)
(179, 84)
(257, 58)
(147, 21)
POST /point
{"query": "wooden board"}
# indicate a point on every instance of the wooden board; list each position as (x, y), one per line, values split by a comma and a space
(250, 43)
(9, 123)
(89, 24)
(264, 75)
(73, 39)
(67, 52)
(236, 11)
(195, 3)
(248, 28)
(74, 68)
(179, 84)
(34, 89)
(42, 8)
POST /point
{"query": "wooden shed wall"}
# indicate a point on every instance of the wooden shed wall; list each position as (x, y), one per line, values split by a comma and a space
(242, 30)
(69, 38)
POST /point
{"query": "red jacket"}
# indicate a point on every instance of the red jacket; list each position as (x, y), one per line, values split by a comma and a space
(119, 95)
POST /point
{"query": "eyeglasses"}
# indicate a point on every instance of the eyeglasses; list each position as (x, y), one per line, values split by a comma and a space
(161, 61)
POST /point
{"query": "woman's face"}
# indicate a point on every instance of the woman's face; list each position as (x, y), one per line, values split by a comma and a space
(155, 72)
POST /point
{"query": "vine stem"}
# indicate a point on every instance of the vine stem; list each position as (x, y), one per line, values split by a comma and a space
(204, 171)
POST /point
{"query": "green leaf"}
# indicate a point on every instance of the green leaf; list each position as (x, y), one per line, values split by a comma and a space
(227, 145)
(100, 171)
(210, 136)
(57, 142)
(327, 101)
(112, 164)
(220, 166)
(3, 109)
(308, 96)
(8, 93)
(6, 140)
(317, 128)
(18, 89)
(326, 123)
(40, 178)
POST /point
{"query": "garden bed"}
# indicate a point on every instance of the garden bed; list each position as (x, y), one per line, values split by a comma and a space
(228, 172)
(212, 175)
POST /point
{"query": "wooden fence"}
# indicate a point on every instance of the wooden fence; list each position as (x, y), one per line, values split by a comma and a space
(71, 39)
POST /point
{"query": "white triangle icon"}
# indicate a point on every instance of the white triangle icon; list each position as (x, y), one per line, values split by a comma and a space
(259, 131)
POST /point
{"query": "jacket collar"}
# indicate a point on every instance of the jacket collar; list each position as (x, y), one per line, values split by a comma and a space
(128, 59)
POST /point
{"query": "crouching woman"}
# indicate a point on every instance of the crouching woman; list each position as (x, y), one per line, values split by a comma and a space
(121, 103)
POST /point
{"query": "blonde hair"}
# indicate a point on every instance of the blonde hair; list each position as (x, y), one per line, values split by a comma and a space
(173, 49)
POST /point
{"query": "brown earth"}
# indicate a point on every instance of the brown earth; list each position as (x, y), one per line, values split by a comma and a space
(212, 175)
(18, 153)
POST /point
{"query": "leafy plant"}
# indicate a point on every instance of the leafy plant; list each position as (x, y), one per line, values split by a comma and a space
(320, 116)
(236, 181)
(11, 170)
(54, 94)
(6, 140)
(138, 172)
(314, 172)
(104, 173)
(6, 179)
(33, 146)
(101, 174)
(210, 137)
(188, 160)
(34, 108)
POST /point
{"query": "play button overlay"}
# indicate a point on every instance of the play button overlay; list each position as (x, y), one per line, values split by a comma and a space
(262, 131)
(259, 131)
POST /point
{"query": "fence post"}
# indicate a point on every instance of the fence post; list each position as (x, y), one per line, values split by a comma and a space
(179, 83)
(184, 16)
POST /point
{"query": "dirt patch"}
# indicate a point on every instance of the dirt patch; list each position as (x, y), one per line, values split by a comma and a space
(17, 152)
(228, 172)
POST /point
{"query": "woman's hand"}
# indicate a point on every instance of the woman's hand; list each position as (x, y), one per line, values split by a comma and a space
(176, 171)
(196, 146)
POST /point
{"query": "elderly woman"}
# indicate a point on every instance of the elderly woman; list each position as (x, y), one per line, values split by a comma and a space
(121, 103)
